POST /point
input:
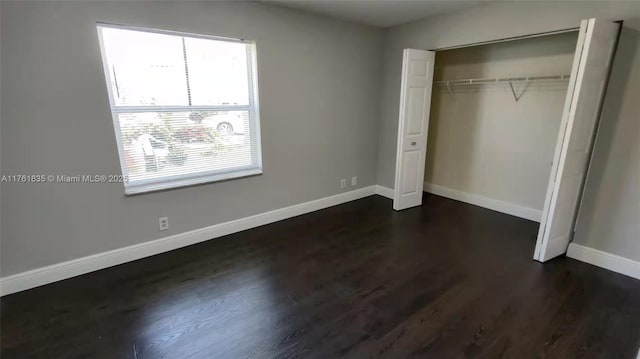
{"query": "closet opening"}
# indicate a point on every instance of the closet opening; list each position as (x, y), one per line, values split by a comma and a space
(495, 114)
(506, 125)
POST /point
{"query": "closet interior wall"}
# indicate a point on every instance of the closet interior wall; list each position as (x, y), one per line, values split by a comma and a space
(482, 142)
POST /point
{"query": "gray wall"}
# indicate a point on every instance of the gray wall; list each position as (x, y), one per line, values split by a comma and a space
(610, 215)
(319, 82)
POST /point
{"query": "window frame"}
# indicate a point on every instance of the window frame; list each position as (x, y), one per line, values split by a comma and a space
(188, 179)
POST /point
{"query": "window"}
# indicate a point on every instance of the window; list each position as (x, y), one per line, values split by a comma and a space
(185, 107)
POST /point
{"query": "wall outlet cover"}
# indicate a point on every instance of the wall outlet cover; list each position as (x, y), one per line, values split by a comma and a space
(163, 223)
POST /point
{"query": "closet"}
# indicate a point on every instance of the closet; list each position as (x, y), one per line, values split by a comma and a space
(507, 125)
(495, 115)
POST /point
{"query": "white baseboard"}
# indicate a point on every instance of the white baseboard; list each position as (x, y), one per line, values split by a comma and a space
(604, 260)
(384, 191)
(41, 276)
(490, 203)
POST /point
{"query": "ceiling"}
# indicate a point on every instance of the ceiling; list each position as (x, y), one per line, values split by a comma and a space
(379, 13)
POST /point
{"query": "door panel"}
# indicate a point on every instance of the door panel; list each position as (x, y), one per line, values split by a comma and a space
(417, 96)
(411, 164)
(415, 102)
(567, 195)
(596, 44)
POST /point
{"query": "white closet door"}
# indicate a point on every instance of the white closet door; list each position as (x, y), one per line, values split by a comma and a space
(415, 103)
(596, 44)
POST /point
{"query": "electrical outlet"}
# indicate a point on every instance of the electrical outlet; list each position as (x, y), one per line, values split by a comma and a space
(343, 183)
(354, 181)
(163, 223)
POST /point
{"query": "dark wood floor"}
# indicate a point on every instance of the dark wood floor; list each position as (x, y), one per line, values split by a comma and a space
(447, 280)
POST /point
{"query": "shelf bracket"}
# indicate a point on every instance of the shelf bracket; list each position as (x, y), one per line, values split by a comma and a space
(450, 90)
(513, 91)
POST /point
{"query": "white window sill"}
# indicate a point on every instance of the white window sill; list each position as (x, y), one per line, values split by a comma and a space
(133, 189)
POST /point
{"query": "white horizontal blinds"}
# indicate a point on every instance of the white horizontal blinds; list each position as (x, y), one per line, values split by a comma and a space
(183, 106)
(163, 145)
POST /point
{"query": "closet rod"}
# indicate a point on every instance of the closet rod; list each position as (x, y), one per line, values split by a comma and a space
(501, 79)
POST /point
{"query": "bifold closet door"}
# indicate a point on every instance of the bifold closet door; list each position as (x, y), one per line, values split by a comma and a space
(413, 126)
(596, 44)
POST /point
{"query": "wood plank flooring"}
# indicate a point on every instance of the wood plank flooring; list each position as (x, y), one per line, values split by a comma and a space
(446, 280)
